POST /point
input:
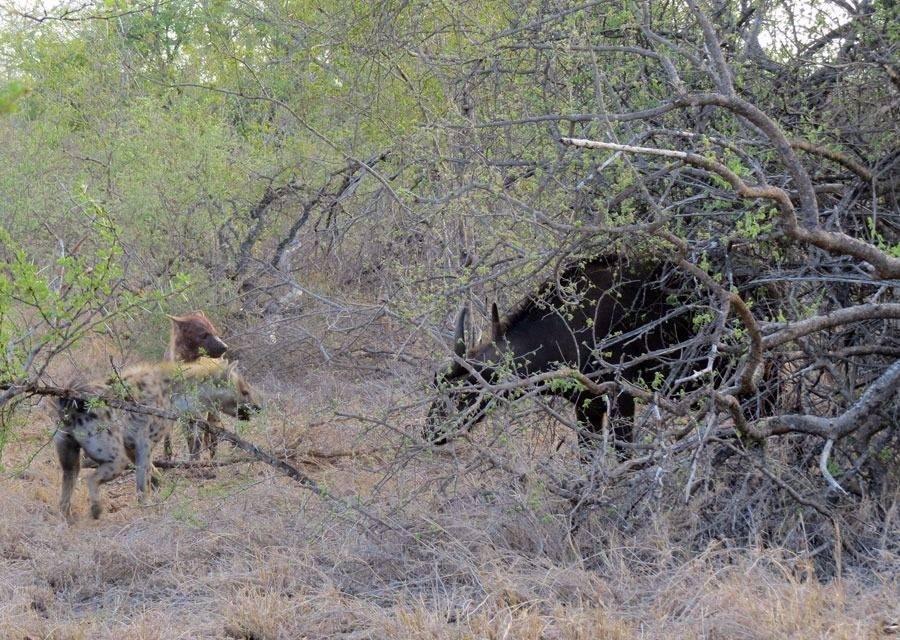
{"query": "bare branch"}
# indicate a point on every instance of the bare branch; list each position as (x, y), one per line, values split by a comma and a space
(887, 310)
(881, 392)
(885, 266)
(823, 467)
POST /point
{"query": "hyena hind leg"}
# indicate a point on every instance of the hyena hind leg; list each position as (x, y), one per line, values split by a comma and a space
(143, 468)
(199, 438)
(69, 452)
(155, 477)
(210, 439)
(192, 435)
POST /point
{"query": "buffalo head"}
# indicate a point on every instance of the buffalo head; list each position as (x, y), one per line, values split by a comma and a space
(463, 401)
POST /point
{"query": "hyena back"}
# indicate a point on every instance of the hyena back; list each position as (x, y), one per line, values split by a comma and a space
(194, 336)
(113, 436)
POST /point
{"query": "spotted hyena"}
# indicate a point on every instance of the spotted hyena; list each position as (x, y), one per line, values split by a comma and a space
(194, 336)
(113, 436)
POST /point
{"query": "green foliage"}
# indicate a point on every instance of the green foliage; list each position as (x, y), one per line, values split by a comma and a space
(46, 306)
(756, 222)
(879, 241)
(702, 319)
(565, 384)
(10, 93)
(179, 118)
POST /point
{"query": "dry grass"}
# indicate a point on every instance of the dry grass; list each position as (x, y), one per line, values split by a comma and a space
(249, 554)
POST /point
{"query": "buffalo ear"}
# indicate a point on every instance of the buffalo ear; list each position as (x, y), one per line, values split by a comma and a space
(459, 336)
(496, 326)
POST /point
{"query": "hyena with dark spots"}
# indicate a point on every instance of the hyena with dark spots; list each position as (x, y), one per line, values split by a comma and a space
(194, 336)
(114, 436)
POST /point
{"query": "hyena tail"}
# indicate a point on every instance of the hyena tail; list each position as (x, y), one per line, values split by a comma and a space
(69, 452)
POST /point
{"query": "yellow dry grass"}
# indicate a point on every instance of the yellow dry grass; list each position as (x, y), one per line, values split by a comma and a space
(249, 554)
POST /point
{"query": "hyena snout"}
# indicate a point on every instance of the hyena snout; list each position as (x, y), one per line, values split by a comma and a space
(243, 401)
(214, 346)
(249, 405)
(247, 411)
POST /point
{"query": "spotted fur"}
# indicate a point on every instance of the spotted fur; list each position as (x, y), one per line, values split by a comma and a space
(114, 436)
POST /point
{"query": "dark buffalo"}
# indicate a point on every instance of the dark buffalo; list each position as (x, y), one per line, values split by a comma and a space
(607, 317)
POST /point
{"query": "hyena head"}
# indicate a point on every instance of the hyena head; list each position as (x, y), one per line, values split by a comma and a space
(194, 336)
(78, 405)
(226, 390)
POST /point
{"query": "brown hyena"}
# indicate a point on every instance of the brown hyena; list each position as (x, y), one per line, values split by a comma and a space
(194, 336)
(112, 436)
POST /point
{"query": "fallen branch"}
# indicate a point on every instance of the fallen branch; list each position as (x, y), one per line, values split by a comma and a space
(180, 464)
(198, 464)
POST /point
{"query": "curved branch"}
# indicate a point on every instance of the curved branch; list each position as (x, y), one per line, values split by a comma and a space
(823, 467)
(885, 266)
(888, 310)
(722, 74)
(808, 204)
(835, 156)
(880, 392)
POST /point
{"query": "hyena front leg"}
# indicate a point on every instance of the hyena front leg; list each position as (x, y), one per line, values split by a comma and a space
(105, 472)
(69, 452)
